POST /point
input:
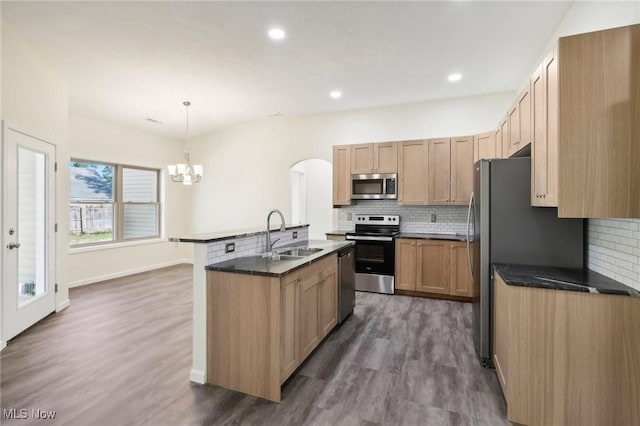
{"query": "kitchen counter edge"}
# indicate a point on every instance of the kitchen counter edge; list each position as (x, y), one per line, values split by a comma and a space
(225, 235)
(568, 279)
(252, 265)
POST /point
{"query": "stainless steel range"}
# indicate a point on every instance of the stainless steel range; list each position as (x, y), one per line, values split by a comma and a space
(374, 236)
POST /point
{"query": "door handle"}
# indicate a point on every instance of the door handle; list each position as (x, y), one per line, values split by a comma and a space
(12, 246)
(469, 218)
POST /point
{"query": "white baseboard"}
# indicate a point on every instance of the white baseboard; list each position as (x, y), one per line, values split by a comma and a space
(119, 274)
(63, 305)
(198, 376)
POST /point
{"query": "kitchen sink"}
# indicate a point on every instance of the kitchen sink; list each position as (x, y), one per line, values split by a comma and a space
(279, 256)
(300, 252)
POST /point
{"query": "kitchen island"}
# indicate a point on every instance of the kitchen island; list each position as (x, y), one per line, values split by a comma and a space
(266, 315)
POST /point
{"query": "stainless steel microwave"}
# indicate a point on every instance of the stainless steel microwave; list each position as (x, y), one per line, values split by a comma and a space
(374, 187)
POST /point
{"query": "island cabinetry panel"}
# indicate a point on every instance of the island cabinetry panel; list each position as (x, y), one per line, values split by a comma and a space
(567, 357)
(261, 328)
(341, 175)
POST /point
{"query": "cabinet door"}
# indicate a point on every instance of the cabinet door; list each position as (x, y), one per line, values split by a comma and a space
(520, 123)
(461, 170)
(289, 303)
(500, 332)
(461, 282)
(385, 157)
(513, 117)
(539, 145)
(362, 158)
(329, 299)
(439, 156)
(341, 175)
(405, 276)
(433, 267)
(412, 171)
(309, 311)
(550, 84)
(504, 127)
(498, 136)
(484, 146)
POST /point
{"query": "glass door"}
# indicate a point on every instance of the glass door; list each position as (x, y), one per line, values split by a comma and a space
(28, 289)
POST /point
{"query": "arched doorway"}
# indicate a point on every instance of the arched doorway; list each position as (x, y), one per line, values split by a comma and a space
(311, 186)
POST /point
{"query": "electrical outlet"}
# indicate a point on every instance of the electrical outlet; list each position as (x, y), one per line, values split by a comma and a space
(230, 247)
(433, 217)
(349, 216)
(295, 235)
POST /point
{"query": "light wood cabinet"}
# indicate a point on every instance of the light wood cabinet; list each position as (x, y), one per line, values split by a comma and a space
(599, 131)
(439, 157)
(519, 118)
(498, 139)
(289, 306)
(484, 146)
(412, 172)
(328, 299)
(362, 158)
(374, 158)
(461, 170)
(567, 357)
(336, 237)
(260, 329)
(385, 157)
(310, 328)
(341, 175)
(544, 148)
(406, 264)
(504, 127)
(433, 267)
(460, 279)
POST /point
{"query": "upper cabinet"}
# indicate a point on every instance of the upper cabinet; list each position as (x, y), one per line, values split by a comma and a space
(485, 146)
(461, 169)
(544, 148)
(599, 124)
(506, 135)
(341, 175)
(519, 118)
(374, 158)
(439, 155)
(412, 172)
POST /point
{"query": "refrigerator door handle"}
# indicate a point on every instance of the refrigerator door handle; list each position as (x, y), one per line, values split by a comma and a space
(471, 206)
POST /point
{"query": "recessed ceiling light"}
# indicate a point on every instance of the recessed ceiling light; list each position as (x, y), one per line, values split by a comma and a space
(456, 76)
(277, 33)
(335, 94)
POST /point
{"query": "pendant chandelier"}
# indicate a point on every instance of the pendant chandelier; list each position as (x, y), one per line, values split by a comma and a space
(185, 172)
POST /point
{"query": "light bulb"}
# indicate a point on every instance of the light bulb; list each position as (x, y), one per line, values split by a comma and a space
(172, 169)
(182, 168)
(197, 170)
(187, 180)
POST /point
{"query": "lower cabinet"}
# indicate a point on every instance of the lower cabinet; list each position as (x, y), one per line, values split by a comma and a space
(567, 357)
(309, 311)
(433, 266)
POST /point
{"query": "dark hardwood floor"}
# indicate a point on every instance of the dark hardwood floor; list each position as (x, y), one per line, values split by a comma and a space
(121, 355)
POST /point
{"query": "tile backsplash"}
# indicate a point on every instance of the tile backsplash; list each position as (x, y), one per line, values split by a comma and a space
(253, 244)
(449, 219)
(613, 249)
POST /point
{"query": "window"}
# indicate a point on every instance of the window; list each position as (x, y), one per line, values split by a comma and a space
(112, 203)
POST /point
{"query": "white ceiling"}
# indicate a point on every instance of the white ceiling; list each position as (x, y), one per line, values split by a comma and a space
(126, 61)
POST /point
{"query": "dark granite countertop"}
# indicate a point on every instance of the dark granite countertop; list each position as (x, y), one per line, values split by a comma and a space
(337, 233)
(570, 279)
(257, 265)
(225, 235)
(443, 236)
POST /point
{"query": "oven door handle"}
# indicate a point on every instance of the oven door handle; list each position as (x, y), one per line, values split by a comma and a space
(364, 238)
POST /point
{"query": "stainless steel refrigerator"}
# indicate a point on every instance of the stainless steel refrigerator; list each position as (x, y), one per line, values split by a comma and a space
(506, 229)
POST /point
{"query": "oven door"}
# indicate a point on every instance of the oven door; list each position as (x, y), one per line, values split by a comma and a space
(374, 255)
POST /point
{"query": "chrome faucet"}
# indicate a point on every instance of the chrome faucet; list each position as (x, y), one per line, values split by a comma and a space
(282, 228)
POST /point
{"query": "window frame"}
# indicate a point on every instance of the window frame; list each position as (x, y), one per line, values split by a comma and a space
(119, 204)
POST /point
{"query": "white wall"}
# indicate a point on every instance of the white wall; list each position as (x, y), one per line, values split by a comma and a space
(91, 139)
(247, 166)
(35, 101)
